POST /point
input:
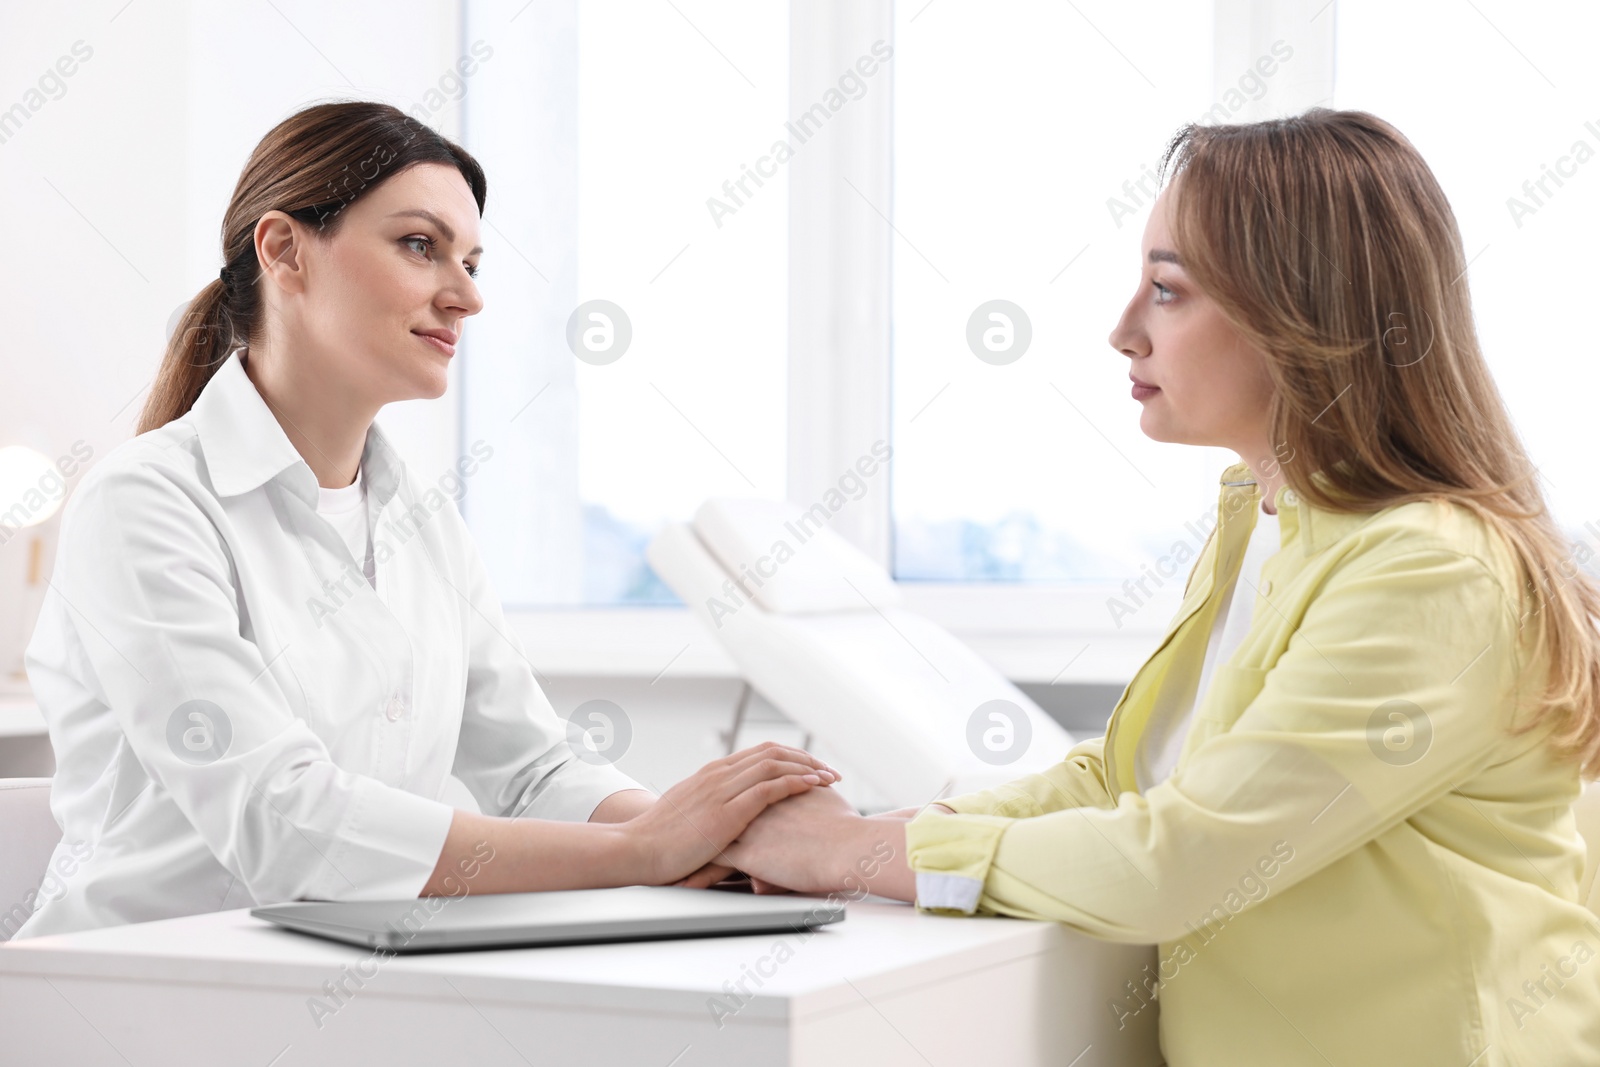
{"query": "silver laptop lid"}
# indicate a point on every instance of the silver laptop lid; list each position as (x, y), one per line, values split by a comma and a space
(558, 917)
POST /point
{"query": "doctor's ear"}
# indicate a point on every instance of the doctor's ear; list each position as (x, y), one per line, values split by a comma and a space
(280, 250)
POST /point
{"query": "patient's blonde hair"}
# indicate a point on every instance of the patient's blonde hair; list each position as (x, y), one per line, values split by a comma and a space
(1326, 240)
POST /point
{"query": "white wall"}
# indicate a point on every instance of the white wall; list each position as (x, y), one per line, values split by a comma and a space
(115, 191)
(123, 129)
(116, 179)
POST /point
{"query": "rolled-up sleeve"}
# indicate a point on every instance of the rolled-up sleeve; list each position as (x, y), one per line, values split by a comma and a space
(151, 592)
(1079, 780)
(1423, 640)
(514, 754)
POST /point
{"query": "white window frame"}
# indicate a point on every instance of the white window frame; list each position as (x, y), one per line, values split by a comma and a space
(841, 255)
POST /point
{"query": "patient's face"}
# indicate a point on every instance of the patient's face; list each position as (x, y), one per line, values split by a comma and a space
(1212, 386)
(384, 275)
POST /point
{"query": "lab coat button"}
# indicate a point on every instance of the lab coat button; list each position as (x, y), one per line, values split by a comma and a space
(394, 709)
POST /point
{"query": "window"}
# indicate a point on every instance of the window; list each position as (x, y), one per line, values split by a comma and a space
(634, 364)
(1021, 188)
(1452, 81)
(956, 261)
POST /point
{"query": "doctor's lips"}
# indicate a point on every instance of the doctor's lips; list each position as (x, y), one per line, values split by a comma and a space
(1142, 390)
(443, 340)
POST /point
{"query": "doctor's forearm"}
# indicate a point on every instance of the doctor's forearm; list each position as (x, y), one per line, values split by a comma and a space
(623, 805)
(487, 854)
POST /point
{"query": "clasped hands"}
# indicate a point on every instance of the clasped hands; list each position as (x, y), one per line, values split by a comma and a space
(797, 833)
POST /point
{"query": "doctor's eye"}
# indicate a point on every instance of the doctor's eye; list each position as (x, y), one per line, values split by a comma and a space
(427, 250)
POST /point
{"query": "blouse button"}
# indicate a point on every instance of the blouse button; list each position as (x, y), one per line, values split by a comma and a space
(393, 710)
(1266, 587)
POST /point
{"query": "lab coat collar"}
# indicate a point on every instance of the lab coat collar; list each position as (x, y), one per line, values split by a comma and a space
(245, 447)
(1316, 527)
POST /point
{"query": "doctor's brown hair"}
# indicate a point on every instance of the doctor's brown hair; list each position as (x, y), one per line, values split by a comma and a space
(310, 166)
(1325, 239)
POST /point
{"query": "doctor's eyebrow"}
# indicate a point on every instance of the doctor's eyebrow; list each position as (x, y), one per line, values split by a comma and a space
(1162, 255)
(444, 227)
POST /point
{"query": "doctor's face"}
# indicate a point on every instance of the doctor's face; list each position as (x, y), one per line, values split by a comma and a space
(385, 299)
(1197, 379)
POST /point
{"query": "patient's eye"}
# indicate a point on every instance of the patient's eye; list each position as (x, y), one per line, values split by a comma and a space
(1163, 294)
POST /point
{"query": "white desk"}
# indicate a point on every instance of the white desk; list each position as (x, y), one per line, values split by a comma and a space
(887, 986)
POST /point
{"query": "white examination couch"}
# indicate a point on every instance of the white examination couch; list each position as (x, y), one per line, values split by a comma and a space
(818, 628)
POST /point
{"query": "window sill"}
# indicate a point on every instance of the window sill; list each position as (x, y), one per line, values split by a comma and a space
(656, 643)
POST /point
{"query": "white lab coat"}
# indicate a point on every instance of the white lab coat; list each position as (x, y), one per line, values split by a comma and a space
(238, 718)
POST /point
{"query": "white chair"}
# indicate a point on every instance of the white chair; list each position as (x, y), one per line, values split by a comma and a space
(817, 628)
(28, 835)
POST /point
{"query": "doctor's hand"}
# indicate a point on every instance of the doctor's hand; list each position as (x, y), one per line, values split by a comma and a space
(694, 821)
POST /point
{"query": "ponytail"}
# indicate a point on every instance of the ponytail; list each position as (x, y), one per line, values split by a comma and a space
(204, 338)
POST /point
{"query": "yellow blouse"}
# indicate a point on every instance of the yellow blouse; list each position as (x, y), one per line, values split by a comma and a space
(1353, 861)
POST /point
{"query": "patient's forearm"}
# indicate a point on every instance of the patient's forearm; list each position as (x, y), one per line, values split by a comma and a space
(887, 874)
(488, 854)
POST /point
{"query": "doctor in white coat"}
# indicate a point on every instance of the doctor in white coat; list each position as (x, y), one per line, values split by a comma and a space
(266, 644)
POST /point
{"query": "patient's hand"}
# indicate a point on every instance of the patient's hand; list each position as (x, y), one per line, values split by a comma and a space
(715, 872)
(817, 843)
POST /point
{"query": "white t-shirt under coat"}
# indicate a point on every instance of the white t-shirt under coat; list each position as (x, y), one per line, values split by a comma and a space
(346, 510)
(1163, 738)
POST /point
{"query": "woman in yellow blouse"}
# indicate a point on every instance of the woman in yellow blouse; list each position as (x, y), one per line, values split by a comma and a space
(1365, 851)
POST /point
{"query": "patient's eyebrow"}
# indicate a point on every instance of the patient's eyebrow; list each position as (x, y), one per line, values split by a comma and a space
(1163, 255)
(444, 227)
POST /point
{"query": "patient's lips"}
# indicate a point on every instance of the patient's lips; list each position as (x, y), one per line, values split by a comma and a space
(1142, 390)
